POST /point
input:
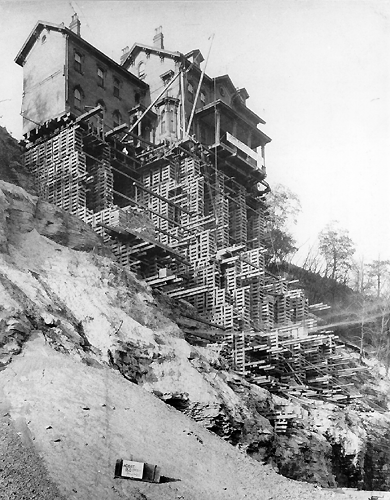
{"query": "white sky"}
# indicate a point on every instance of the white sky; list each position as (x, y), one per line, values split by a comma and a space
(317, 71)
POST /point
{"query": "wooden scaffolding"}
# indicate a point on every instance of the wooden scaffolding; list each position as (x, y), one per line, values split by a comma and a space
(177, 216)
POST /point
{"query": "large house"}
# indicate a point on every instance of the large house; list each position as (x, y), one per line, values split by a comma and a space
(64, 76)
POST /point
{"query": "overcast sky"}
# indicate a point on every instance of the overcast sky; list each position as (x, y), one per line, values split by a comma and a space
(317, 71)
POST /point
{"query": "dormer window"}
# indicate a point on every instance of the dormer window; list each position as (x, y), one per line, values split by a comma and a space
(141, 70)
(116, 87)
(77, 62)
(100, 75)
(222, 91)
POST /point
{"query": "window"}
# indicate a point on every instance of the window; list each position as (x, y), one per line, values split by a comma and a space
(222, 91)
(117, 118)
(77, 62)
(102, 104)
(190, 89)
(163, 124)
(141, 70)
(44, 39)
(203, 98)
(77, 97)
(167, 76)
(116, 87)
(173, 121)
(100, 74)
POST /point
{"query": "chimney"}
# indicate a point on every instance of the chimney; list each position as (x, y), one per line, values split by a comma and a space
(158, 39)
(125, 53)
(75, 24)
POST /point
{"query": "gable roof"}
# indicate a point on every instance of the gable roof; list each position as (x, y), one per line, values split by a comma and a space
(128, 59)
(139, 47)
(61, 28)
(228, 109)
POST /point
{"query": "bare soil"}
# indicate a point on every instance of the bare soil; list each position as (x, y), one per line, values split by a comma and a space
(74, 421)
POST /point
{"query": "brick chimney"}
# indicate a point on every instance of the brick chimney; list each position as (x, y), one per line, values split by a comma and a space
(125, 53)
(158, 39)
(75, 24)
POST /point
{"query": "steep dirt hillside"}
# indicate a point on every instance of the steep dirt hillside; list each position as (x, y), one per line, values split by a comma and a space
(81, 340)
(66, 316)
(82, 418)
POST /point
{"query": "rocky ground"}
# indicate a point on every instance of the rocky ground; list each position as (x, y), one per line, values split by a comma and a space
(81, 418)
(94, 368)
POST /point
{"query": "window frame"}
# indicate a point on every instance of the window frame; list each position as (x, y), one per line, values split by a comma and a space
(117, 115)
(142, 75)
(78, 63)
(77, 100)
(116, 87)
(163, 124)
(101, 77)
(102, 104)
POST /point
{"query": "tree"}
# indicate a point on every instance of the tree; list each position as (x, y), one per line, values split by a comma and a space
(377, 329)
(378, 270)
(313, 261)
(337, 248)
(283, 207)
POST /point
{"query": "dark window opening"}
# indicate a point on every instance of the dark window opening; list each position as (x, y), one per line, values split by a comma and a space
(77, 98)
(77, 62)
(116, 87)
(117, 118)
(167, 77)
(102, 104)
(190, 89)
(100, 74)
(141, 70)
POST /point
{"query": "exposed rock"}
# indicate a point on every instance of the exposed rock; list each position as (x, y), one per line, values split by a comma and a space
(11, 166)
(21, 213)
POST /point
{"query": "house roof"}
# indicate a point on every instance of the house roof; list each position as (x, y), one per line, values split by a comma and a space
(41, 25)
(242, 93)
(195, 54)
(205, 110)
(139, 47)
(239, 102)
